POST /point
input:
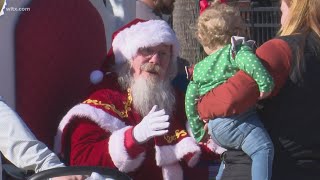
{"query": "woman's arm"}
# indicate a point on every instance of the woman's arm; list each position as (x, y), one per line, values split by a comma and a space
(240, 91)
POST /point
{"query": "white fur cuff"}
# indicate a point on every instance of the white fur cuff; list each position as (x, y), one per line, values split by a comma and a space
(171, 154)
(172, 172)
(119, 154)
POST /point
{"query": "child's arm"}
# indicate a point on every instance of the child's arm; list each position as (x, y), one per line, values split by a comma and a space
(196, 125)
(247, 61)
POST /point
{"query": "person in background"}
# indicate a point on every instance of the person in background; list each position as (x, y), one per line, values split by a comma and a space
(228, 54)
(20, 147)
(114, 14)
(154, 9)
(291, 113)
(134, 120)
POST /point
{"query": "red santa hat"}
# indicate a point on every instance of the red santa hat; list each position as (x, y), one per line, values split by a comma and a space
(137, 34)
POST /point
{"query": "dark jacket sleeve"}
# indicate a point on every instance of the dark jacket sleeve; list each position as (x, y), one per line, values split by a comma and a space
(240, 91)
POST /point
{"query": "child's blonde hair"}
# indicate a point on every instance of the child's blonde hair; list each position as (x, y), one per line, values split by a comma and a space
(217, 24)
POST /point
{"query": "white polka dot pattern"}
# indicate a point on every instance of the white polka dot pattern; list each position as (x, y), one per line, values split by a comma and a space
(214, 70)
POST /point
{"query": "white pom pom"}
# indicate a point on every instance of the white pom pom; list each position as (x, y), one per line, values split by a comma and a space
(96, 76)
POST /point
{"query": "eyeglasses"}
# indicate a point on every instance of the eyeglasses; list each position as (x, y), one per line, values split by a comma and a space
(149, 52)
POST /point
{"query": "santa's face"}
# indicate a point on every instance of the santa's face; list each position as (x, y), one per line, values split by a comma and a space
(152, 62)
(148, 77)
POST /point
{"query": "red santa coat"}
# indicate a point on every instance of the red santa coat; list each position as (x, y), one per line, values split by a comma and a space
(98, 132)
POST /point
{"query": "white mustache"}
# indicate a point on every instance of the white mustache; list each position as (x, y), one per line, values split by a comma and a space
(149, 67)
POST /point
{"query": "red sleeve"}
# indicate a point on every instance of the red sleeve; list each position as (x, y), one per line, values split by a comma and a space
(240, 91)
(131, 144)
(90, 144)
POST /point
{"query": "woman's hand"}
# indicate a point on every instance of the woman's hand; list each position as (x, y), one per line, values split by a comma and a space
(206, 136)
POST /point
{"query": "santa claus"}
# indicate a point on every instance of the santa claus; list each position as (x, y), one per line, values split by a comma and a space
(134, 120)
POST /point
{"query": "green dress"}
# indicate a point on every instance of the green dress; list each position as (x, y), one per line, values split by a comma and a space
(214, 70)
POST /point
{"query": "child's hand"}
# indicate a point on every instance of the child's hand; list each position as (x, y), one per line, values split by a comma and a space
(263, 95)
(205, 139)
(205, 120)
(206, 127)
(189, 71)
(206, 136)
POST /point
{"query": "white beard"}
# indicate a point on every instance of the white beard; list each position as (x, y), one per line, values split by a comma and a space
(152, 91)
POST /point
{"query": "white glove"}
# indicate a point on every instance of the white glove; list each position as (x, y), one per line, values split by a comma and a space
(97, 176)
(155, 123)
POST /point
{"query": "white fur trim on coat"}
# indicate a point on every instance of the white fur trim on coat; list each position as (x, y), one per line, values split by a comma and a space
(119, 155)
(143, 34)
(106, 121)
(172, 172)
(170, 154)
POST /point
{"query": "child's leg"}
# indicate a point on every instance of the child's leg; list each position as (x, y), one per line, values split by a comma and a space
(216, 129)
(245, 132)
(258, 145)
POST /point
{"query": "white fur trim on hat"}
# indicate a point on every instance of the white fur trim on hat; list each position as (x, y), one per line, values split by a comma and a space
(96, 76)
(143, 34)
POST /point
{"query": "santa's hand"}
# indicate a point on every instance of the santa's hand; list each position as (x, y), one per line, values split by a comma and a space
(155, 123)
